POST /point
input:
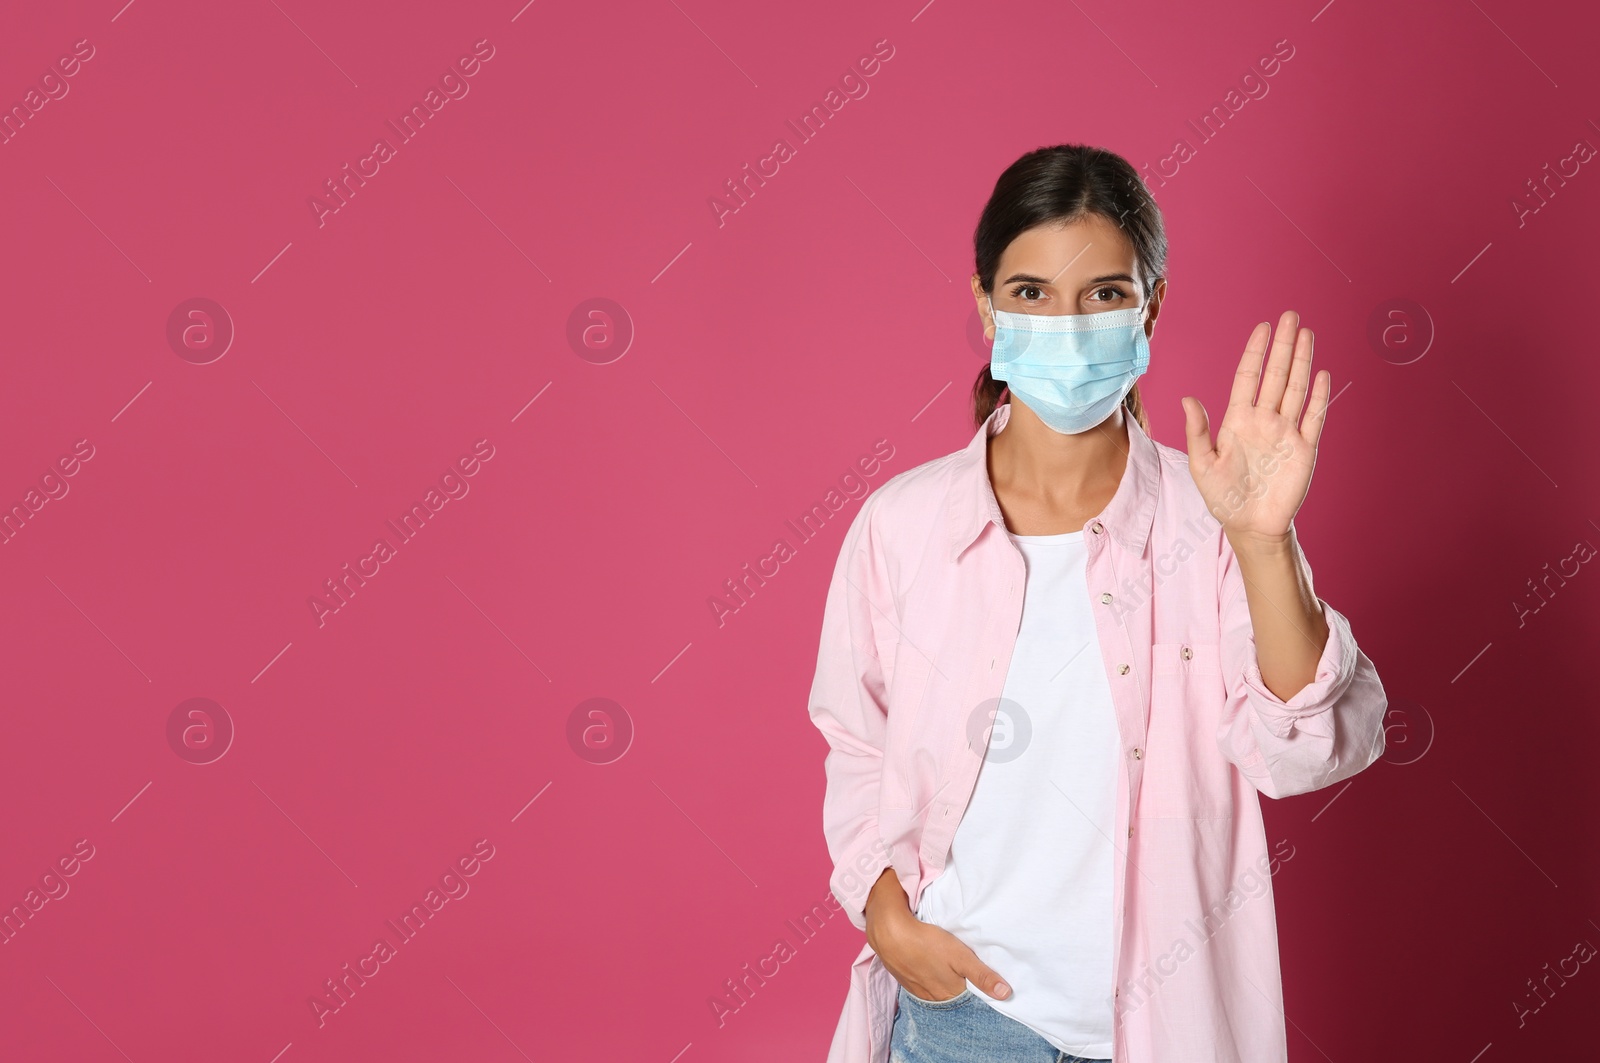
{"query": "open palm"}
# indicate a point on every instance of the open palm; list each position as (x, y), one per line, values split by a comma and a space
(1256, 476)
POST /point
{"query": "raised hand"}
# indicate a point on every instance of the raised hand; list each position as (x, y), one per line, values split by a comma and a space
(1255, 478)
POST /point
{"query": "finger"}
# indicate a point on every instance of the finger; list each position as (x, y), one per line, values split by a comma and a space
(1317, 415)
(1294, 395)
(1276, 375)
(1197, 433)
(1248, 375)
(981, 975)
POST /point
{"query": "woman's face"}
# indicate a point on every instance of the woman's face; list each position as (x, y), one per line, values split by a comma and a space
(1085, 267)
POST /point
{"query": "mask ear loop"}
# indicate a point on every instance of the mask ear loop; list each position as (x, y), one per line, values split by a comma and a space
(1143, 318)
(1005, 391)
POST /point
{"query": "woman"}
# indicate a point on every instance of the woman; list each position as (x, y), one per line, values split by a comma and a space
(1122, 637)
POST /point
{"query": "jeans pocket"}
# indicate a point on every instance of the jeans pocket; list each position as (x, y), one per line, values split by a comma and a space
(963, 997)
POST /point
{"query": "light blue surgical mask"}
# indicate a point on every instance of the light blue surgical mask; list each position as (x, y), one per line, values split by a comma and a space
(1072, 369)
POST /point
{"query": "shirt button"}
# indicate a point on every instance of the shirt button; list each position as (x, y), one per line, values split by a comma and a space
(1187, 653)
(1106, 598)
(1122, 669)
(1095, 527)
(1138, 754)
(1130, 832)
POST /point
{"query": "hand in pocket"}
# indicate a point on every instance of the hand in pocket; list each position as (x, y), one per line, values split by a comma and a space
(933, 964)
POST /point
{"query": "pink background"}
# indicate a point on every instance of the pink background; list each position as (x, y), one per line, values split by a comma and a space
(372, 750)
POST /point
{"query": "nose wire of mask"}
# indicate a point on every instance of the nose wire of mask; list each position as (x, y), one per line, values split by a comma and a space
(1071, 370)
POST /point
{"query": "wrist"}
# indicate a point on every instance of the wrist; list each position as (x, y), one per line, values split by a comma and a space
(1253, 545)
(887, 907)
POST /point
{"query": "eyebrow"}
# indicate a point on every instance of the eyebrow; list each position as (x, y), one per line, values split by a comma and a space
(1031, 279)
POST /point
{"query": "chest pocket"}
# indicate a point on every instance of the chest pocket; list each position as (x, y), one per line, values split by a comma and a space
(1185, 775)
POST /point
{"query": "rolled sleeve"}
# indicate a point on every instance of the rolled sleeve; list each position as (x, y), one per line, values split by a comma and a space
(848, 705)
(1335, 669)
(1329, 730)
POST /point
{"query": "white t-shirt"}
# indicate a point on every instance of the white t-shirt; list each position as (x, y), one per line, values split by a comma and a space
(1029, 880)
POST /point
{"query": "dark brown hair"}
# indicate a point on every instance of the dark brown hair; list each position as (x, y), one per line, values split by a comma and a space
(1063, 184)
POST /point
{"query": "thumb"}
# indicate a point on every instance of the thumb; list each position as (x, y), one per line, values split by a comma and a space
(980, 974)
(1197, 432)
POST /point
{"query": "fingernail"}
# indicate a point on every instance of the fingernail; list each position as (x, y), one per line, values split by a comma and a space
(1001, 990)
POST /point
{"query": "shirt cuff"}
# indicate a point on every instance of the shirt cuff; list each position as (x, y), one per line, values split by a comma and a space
(1335, 668)
(858, 871)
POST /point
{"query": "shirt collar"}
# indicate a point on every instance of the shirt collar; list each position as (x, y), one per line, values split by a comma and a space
(971, 504)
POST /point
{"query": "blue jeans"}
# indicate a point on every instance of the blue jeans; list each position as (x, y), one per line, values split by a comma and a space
(965, 1029)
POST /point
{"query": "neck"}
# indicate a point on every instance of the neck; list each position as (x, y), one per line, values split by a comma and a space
(1034, 460)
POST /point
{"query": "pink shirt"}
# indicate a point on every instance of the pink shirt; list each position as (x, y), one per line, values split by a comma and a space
(917, 632)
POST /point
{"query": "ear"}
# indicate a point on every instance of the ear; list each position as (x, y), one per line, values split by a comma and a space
(1158, 292)
(981, 298)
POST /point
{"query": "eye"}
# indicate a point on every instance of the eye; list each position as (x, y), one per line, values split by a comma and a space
(1114, 293)
(1016, 293)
